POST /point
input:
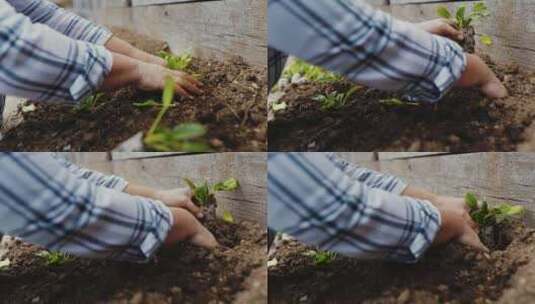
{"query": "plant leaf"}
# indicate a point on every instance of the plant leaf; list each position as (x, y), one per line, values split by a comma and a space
(227, 217)
(460, 16)
(486, 40)
(147, 104)
(444, 12)
(471, 200)
(279, 106)
(190, 184)
(168, 92)
(230, 184)
(188, 131)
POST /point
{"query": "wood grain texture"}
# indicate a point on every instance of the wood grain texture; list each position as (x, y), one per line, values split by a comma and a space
(210, 29)
(497, 177)
(168, 171)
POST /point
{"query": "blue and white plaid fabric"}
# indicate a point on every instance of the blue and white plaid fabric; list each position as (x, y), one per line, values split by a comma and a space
(49, 54)
(327, 202)
(53, 203)
(366, 45)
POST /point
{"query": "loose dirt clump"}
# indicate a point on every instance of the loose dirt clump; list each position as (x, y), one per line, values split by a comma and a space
(464, 121)
(179, 274)
(450, 274)
(232, 109)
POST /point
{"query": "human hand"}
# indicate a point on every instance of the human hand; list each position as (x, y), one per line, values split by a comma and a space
(477, 73)
(152, 78)
(442, 27)
(457, 225)
(179, 198)
(187, 228)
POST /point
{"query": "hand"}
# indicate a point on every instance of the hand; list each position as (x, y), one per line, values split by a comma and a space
(187, 228)
(152, 78)
(442, 27)
(477, 73)
(179, 198)
(457, 225)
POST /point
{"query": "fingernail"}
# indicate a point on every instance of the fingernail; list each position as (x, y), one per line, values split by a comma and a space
(200, 215)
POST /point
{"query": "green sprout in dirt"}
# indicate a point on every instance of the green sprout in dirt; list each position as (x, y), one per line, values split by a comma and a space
(484, 215)
(203, 193)
(55, 258)
(187, 137)
(464, 20)
(321, 257)
(310, 72)
(176, 62)
(335, 100)
(398, 103)
(89, 103)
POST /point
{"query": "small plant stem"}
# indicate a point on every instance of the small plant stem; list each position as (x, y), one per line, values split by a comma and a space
(157, 120)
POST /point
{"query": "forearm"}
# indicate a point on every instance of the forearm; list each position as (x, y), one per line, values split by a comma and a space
(73, 215)
(311, 199)
(141, 190)
(120, 46)
(124, 72)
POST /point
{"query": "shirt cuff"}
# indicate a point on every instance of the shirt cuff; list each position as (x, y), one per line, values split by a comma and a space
(446, 66)
(400, 187)
(98, 64)
(161, 226)
(430, 225)
(102, 36)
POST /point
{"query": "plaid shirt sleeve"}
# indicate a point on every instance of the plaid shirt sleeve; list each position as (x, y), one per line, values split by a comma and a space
(102, 180)
(67, 23)
(44, 203)
(366, 45)
(38, 63)
(370, 178)
(312, 199)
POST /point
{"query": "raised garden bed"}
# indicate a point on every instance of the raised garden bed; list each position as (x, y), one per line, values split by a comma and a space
(450, 274)
(463, 121)
(232, 109)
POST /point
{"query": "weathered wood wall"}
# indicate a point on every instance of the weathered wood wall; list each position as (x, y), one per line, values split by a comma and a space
(497, 177)
(511, 25)
(210, 29)
(168, 170)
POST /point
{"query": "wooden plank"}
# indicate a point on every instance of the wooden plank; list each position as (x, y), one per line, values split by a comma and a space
(401, 155)
(357, 157)
(497, 177)
(134, 155)
(249, 203)
(159, 2)
(209, 29)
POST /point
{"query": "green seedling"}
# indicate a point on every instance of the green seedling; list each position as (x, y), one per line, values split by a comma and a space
(484, 215)
(89, 103)
(187, 137)
(203, 193)
(279, 106)
(335, 100)
(227, 217)
(55, 258)
(321, 257)
(310, 72)
(151, 103)
(464, 20)
(176, 62)
(395, 102)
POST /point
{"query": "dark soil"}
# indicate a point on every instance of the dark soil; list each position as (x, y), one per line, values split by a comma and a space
(181, 274)
(464, 121)
(469, 42)
(233, 109)
(451, 274)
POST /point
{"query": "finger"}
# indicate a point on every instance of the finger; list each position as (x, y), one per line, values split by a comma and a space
(189, 78)
(204, 238)
(452, 32)
(194, 209)
(470, 238)
(189, 86)
(188, 192)
(182, 92)
(448, 21)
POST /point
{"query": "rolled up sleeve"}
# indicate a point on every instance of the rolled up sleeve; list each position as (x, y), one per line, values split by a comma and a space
(44, 203)
(40, 64)
(367, 46)
(313, 200)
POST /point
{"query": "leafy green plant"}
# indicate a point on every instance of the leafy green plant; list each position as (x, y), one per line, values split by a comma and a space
(462, 18)
(310, 72)
(335, 100)
(395, 102)
(484, 215)
(321, 257)
(176, 62)
(203, 193)
(89, 103)
(187, 137)
(55, 258)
